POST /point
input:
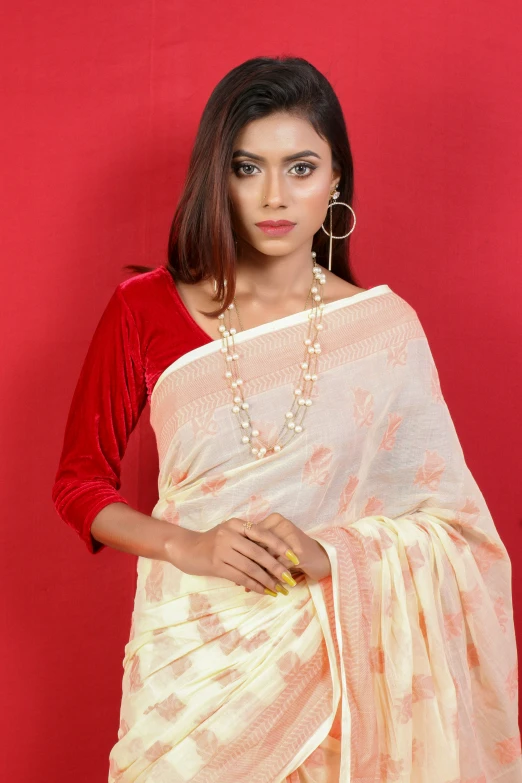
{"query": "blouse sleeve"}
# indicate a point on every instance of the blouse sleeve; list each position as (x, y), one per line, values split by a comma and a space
(109, 397)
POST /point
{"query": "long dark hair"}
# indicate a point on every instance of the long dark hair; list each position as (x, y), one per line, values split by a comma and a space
(201, 239)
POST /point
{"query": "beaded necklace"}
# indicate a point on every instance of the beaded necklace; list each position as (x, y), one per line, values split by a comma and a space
(302, 400)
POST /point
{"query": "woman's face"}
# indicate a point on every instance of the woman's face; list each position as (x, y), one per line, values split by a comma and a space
(281, 170)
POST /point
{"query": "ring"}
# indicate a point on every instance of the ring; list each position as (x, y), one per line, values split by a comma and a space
(247, 524)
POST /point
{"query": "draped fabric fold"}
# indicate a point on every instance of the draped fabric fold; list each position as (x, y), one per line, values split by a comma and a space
(401, 665)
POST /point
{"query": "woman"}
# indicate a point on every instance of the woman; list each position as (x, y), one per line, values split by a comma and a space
(322, 594)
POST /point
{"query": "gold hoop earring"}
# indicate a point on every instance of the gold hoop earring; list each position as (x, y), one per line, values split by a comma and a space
(334, 196)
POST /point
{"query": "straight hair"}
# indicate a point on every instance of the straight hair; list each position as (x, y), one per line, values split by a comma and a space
(201, 241)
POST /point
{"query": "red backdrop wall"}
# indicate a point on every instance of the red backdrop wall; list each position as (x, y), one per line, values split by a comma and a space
(100, 106)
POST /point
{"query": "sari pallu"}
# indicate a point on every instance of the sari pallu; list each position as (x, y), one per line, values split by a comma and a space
(401, 665)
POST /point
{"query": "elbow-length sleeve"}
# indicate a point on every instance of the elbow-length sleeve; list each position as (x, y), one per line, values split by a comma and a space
(109, 397)
(419, 599)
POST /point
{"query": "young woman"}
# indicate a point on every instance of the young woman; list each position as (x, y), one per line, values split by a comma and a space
(322, 594)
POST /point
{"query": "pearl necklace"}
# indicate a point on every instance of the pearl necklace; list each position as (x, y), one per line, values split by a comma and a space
(302, 401)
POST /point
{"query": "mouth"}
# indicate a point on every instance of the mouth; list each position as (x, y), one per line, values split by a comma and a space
(276, 227)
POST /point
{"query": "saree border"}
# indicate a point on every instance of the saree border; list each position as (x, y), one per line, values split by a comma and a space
(271, 326)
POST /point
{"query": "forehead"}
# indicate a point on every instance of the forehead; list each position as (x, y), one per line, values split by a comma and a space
(280, 134)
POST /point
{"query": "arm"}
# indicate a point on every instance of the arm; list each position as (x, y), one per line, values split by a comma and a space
(123, 528)
(109, 397)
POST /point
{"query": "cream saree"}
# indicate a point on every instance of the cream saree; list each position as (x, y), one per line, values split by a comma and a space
(401, 665)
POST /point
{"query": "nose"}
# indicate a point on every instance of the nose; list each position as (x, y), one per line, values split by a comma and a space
(273, 193)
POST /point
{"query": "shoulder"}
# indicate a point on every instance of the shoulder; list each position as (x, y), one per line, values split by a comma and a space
(144, 282)
(142, 291)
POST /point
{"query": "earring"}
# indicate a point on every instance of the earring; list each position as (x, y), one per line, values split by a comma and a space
(334, 196)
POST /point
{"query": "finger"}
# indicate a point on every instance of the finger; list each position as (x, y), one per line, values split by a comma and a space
(274, 542)
(263, 558)
(254, 570)
(240, 578)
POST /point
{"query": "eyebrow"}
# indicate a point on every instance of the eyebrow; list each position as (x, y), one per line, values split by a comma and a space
(303, 154)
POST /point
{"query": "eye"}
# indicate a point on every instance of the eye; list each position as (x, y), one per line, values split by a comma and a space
(237, 167)
(305, 166)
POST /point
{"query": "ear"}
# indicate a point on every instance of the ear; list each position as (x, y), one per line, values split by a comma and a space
(335, 181)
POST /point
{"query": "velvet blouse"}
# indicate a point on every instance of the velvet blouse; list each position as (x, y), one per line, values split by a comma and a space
(144, 328)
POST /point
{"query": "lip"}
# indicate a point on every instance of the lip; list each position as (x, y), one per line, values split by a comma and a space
(276, 227)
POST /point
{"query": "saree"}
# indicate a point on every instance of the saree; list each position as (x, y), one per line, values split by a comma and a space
(401, 665)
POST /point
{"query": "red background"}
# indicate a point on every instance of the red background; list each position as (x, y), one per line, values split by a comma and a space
(100, 106)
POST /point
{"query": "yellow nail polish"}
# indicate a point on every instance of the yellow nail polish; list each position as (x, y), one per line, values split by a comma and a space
(268, 591)
(288, 579)
(291, 556)
(281, 589)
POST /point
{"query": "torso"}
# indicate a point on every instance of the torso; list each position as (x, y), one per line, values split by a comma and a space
(198, 296)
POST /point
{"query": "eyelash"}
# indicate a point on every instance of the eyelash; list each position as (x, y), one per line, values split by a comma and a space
(238, 166)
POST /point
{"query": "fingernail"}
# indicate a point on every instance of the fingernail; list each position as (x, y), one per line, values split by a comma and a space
(288, 579)
(281, 589)
(268, 591)
(291, 556)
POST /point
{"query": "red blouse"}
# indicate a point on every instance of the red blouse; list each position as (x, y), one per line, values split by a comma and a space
(143, 329)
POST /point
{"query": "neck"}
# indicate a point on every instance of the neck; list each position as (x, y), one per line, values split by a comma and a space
(262, 278)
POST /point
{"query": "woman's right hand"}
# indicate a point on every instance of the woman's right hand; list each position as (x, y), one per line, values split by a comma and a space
(224, 551)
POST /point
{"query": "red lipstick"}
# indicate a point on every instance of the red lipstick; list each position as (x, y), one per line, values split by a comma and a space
(276, 227)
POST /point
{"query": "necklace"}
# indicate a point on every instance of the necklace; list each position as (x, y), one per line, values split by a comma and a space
(302, 400)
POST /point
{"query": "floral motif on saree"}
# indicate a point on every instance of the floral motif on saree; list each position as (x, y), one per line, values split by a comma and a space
(401, 665)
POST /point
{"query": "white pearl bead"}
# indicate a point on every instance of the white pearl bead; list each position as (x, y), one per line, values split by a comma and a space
(298, 428)
(228, 374)
(231, 306)
(245, 424)
(311, 349)
(317, 298)
(308, 341)
(255, 433)
(236, 409)
(222, 315)
(317, 350)
(222, 328)
(235, 357)
(317, 345)
(237, 398)
(314, 254)
(314, 289)
(307, 376)
(319, 327)
(308, 402)
(297, 392)
(226, 333)
(277, 447)
(254, 451)
(301, 401)
(245, 439)
(234, 384)
(229, 358)
(291, 425)
(262, 450)
(289, 415)
(232, 331)
(239, 381)
(304, 366)
(314, 377)
(224, 349)
(245, 406)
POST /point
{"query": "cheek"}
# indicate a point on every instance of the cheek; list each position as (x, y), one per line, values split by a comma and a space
(313, 199)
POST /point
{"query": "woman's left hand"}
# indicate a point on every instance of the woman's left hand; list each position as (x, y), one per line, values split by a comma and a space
(313, 560)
